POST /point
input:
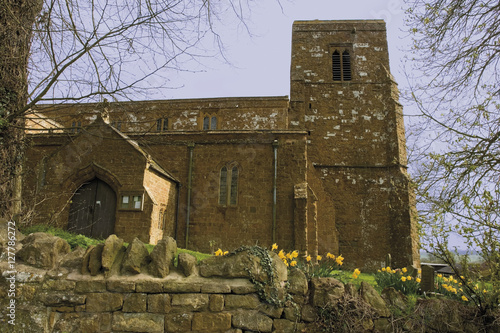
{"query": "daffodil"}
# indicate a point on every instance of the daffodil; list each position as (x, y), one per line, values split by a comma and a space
(404, 270)
(403, 279)
(440, 275)
(226, 253)
(308, 258)
(418, 280)
(295, 254)
(274, 247)
(330, 256)
(408, 278)
(281, 254)
(465, 299)
(383, 269)
(293, 263)
(339, 260)
(319, 258)
(289, 256)
(218, 252)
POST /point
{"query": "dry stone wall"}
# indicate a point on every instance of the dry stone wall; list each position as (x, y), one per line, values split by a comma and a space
(113, 288)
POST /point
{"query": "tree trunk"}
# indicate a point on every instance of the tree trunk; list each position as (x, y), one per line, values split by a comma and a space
(17, 19)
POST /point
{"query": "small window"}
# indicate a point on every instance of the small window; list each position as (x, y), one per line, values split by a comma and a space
(131, 202)
(208, 121)
(162, 125)
(341, 66)
(228, 186)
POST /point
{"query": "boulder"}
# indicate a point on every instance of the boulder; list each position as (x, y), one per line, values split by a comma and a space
(372, 297)
(243, 264)
(112, 248)
(162, 257)
(95, 260)
(326, 291)
(394, 298)
(74, 259)
(43, 250)
(297, 282)
(187, 264)
(136, 257)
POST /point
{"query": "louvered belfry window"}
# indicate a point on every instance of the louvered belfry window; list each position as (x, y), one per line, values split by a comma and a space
(341, 66)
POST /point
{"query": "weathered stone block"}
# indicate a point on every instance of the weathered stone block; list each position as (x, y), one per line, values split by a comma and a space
(215, 288)
(181, 287)
(233, 302)
(57, 299)
(74, 259)
(372, 297)
(187, 264)
(138, 322)
(159, 303)
(59, 285)
(326, 291)
(297, 282)
(120, 286)
(252, 320)
(216, 303)
(90, 286)
(309, 313)
(112, 247)
(104, 302)
(43, 250)
(95, 260)
(211, 322)
(292, 313)
(189, 302)
(162, 257)
(285, 326)
(270, 310)
(136, 258)
(178, 323)
(135, 303)
(242, 264)
(149, 286)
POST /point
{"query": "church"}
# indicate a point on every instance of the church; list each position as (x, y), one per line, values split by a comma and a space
(322, 170)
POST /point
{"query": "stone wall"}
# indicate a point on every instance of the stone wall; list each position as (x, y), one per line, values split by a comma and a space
(113, 288)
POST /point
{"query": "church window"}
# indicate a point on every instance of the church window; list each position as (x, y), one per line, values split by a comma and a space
(162, 124)
(208, 121)
(76, 127)
(341, 65)
(228, 185)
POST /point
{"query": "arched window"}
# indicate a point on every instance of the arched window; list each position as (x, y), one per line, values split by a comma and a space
(228, 186)
(341, 66)
(209, 122)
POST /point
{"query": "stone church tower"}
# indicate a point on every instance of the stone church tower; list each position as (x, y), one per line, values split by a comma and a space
(343, 94)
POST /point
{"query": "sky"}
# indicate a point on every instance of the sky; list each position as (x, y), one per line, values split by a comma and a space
(266, 53)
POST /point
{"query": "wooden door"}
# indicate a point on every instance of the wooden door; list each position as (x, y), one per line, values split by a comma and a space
(92, 210)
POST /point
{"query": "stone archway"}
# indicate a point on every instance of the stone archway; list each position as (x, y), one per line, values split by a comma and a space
(92, 210)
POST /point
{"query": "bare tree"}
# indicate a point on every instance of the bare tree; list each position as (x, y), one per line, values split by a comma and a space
(455, 85)
(61, 50)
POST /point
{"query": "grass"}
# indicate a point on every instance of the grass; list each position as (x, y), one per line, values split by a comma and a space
(75, 240)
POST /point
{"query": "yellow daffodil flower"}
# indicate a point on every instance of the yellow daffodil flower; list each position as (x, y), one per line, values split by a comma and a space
(403, 279)
(404, 270)
(330, 256)
(319, 258)
(293, 263)
(295, 254)
(308, 258)
(465, 299)
(408, 278)
(383, 269)
(274, 247)
(418, 280)
(218, 252)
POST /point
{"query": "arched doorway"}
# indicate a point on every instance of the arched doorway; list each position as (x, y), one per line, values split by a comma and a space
(92, 210)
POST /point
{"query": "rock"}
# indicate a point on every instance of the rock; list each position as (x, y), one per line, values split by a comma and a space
(309, 313)
(86, 258)
(43, 250)
(326, 291)
(372, 297)
(159, 303)
(104, 302)
(136, 257)
(189, 302)
(162, 257)
(243, 264)
(136, 322)
(112, 248)
(178, 323)
(252, 320)
(211, 322)
(350, 290)
(298, 282)
(234, 302)
(395, 298)
(74, 259)
(95, 260)
(187, 264)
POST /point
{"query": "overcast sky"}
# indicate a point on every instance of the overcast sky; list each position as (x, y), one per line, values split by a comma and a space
(260, 64)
